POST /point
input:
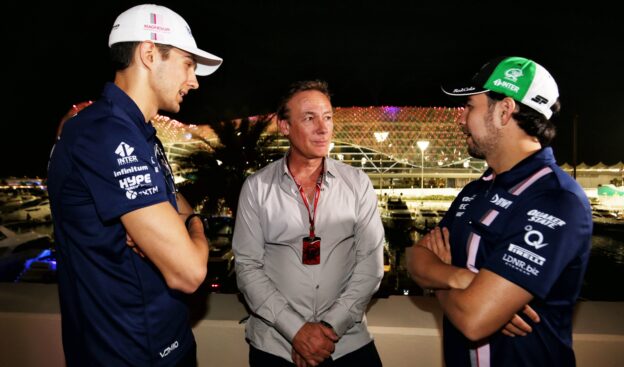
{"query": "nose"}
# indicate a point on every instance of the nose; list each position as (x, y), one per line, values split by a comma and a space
(462, 117)
(192, 81)
(322, 125)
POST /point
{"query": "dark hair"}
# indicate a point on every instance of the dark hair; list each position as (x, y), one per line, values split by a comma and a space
(300, 86)
(121, 53)
(532, 122)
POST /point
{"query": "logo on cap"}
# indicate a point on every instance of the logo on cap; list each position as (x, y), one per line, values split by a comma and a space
(507, 85)
(539, 99)
(463, 90)
(513, 74)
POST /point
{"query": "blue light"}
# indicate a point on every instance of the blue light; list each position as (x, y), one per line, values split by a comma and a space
(42, 258)
(391, 112)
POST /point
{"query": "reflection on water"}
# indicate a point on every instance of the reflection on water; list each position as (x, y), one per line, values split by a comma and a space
(608, 248)
(605, 270)
(39, 228)
(602, 280)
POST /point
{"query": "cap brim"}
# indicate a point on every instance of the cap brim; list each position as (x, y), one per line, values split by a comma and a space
(462, 89)
(207, 63)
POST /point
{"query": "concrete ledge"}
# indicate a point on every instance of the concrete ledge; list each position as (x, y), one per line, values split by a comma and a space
(406, 329)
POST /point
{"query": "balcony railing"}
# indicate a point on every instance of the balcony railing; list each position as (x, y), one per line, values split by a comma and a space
(406, 329)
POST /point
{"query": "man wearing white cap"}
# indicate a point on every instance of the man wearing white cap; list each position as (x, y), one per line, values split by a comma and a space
(516, 239)
(112, 191)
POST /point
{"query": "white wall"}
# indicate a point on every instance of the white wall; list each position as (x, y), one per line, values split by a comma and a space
(407, 331)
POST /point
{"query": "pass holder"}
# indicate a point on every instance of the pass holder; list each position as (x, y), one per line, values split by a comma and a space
(311, 254)
(311, 251)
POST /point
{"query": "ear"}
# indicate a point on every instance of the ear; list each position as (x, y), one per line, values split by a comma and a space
(284, 126)
(147, 53)
(507, 108)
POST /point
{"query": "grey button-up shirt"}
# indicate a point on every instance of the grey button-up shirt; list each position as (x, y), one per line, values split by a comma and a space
(281, 291)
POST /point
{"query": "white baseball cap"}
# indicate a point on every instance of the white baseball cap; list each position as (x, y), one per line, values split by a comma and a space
(521, 79)
(159, 24)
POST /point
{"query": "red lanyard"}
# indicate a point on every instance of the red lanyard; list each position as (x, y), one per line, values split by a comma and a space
(317, 195)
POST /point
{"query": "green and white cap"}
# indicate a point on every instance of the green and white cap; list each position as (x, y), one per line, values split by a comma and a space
(522, 79)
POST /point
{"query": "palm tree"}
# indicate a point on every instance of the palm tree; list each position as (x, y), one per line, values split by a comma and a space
(216, 174)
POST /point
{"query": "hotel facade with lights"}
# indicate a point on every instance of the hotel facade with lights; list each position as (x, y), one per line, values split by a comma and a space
(398, 147)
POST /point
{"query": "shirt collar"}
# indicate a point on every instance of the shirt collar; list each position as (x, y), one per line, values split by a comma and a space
(537, 160)
(119, 99)
(329, 169)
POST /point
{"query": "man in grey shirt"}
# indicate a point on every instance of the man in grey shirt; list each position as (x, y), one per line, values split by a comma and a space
(308, 246)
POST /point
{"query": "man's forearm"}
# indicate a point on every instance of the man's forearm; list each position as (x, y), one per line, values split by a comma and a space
(485, 306)
(198, 236)
(430, 272)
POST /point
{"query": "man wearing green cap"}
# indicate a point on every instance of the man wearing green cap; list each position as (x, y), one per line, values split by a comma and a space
(516, 239)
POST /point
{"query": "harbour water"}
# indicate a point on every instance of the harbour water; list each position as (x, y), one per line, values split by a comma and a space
(605, 272)
(603, 280)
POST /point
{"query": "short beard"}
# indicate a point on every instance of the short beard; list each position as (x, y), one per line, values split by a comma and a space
(475, 152)
(487, 145)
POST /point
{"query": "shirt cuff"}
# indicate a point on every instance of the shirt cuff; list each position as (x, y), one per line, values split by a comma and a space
(339, 318)
(288, 323)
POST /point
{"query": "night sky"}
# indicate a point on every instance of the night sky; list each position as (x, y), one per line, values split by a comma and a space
(371, 53)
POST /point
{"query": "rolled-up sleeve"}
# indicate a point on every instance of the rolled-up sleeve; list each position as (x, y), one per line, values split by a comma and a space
(263, 298)
(349, 308)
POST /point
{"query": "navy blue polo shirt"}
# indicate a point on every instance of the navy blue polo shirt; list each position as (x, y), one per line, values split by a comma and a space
(116, 307)
(532, 226)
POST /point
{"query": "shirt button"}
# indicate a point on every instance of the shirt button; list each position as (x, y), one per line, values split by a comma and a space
(317, 286)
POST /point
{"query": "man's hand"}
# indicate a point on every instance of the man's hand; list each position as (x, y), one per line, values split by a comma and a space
(314, 343)
(73, 111)
(517, 326)
(130, 242)
(430, 263)
(437, 241)
(298, 359)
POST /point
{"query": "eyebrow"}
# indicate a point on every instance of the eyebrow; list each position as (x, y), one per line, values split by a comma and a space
(193, 58)
(331, 112)
(188, 55)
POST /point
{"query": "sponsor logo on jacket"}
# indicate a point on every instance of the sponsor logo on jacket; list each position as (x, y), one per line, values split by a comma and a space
(545, 219)
(502, 202)
(169, 349)
(522, 252)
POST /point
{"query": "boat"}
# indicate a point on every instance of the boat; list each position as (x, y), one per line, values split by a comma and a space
(395, 214)
(428, 219)
(16, 248)
(37, 211)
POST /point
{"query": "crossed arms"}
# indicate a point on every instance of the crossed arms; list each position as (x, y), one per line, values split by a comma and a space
(478, 304)
(181, 255)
